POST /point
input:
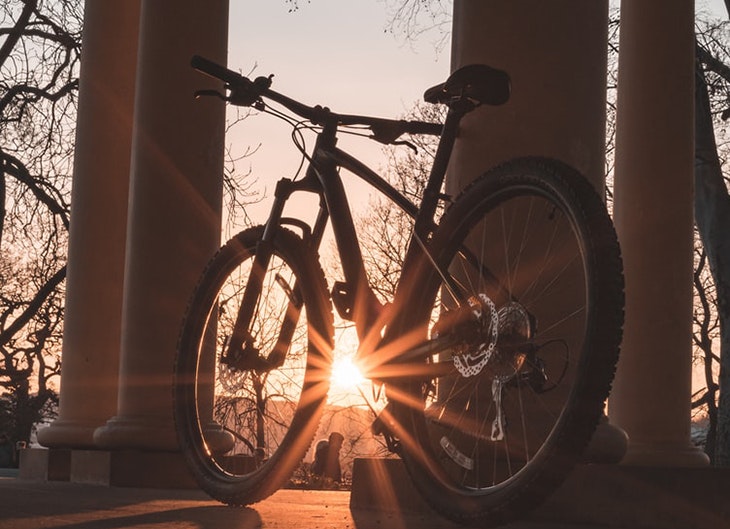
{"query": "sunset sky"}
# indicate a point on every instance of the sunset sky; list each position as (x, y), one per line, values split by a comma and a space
(332, 53)
(337, 54)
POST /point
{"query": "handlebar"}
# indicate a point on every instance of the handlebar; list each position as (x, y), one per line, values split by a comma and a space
(213, 69)
(244, 92)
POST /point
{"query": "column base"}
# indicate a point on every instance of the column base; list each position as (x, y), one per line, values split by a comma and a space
(150, 434)
(118, 468)
(130, 468)
(592, 495)
(69, 433)
(142, 433)
(667, 497)
(652, 455)
(383, 484)
(40, 464)
(217, 439)
(608, 444)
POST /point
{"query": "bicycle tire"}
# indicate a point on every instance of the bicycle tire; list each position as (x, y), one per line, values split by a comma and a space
(451, 445)
(243, 439)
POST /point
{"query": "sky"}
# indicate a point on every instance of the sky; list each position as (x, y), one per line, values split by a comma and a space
(333, 50)
(716, 7)
(329, 52)
(338, 54)
(335, 53)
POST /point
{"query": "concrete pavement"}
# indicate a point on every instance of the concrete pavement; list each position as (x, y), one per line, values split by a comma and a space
(593, 497)
(26, 504)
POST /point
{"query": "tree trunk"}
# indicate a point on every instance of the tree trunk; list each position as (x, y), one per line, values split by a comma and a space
(704, 316)
(712, 214)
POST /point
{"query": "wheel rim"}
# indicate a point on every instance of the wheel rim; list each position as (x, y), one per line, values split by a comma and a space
(246, 419)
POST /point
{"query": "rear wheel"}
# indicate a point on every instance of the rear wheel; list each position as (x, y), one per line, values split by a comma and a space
(244, 425)
(534, 304)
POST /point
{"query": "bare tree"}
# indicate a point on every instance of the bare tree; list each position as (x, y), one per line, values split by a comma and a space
(412, 19)
(39, 60)
(706, 325)
(386, 229)
(712, 207)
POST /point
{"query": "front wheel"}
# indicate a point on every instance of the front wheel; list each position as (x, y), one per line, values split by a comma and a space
(531, 294)
(244, 423)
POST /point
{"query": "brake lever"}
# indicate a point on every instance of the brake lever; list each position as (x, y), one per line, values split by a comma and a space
(407, 144)
(387, 133)
(209, 93)
(257, 104)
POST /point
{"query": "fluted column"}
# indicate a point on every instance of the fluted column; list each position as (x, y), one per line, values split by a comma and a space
(174, 210)
(654, 219)
(92, 323)
(555, 54)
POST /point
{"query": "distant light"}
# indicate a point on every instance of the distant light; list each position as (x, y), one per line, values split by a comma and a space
(345, 374)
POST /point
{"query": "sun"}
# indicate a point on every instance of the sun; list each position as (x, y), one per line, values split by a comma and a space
(345, 374)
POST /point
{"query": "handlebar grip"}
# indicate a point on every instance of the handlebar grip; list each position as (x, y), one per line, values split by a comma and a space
(423, 127)
(216, 70)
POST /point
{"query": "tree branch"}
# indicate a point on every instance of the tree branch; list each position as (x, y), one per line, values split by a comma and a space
(32, 308)
(17, 31)
(712, 63)
(15, 168)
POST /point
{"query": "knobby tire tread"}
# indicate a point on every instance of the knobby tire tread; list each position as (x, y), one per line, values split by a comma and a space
(596, 369)
(297, 253)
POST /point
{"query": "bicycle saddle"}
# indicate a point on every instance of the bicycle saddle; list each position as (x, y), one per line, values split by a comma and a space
(478, 82)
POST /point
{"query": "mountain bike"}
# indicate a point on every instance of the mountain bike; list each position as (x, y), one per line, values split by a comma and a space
(496, 352)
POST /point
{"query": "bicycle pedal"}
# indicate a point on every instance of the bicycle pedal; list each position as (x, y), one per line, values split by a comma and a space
(384, 422)
(384, 425)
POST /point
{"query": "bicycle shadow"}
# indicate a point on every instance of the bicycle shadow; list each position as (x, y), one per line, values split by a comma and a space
(374, 519)
(203, 517)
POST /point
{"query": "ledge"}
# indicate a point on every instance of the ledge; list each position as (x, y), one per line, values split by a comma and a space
(612, 495)
(118, 468)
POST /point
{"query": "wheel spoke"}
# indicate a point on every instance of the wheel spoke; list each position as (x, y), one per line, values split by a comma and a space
(242, 429)
(521, 239)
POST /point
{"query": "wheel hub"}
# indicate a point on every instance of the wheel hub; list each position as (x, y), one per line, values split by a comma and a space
(515, 330)
(493, 339)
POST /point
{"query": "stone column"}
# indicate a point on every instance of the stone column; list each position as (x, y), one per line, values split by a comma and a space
(95, 274)
(555, 54)
(174, 210)
(654, 218)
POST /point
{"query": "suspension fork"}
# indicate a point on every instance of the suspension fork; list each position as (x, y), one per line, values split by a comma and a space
(294, 307)
(241, 351)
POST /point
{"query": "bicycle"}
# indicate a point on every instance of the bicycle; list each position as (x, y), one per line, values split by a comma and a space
(497, 351)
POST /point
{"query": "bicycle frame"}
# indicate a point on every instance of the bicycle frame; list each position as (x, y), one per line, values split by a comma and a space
(488, 410)
(322, 178)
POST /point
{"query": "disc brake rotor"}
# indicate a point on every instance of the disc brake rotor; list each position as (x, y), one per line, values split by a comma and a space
(486, 315)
